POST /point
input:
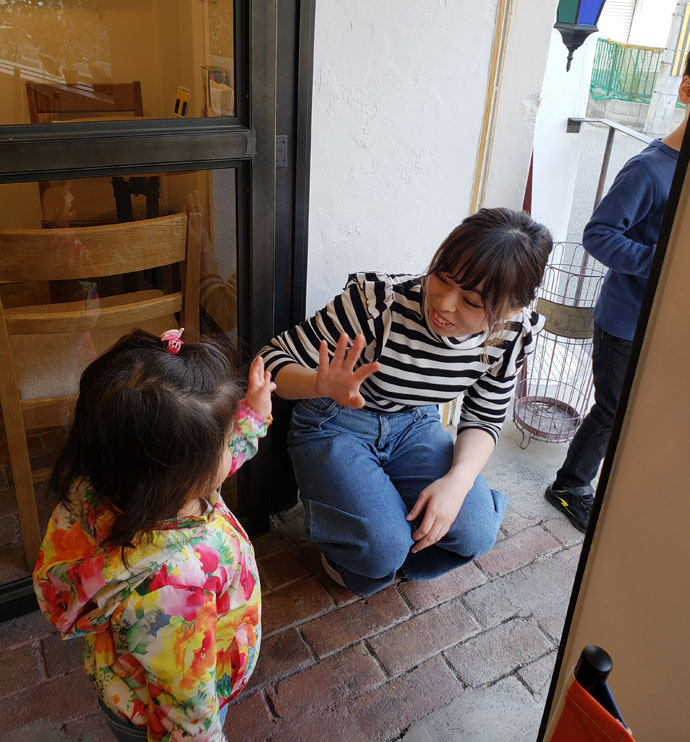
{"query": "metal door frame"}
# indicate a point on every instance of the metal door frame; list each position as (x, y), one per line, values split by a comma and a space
(246, 142)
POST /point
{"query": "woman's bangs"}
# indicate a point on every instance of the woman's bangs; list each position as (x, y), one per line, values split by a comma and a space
(478, 270)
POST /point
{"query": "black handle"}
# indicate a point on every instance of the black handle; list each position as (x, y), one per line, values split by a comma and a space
(591, 672)
(593, 667)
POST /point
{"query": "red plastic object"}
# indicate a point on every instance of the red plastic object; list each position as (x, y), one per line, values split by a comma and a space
(583, 719)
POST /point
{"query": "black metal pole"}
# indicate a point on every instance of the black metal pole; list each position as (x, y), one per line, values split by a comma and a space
(597, 198)
(604, 167)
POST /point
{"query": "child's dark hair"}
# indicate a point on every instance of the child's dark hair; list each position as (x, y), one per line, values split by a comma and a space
(149, 428)
(501, 254)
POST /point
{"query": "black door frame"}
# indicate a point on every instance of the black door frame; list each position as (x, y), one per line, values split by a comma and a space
(246, 142)
(294, 75)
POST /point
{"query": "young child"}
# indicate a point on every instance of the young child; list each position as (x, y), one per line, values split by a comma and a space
(382, 483)
(622, 234)
(141, 556)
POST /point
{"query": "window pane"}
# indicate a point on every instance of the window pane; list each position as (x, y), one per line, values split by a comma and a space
(76, 221)
(64, 60)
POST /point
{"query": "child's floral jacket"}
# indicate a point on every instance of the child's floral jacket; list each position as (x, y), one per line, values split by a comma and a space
(172, 636)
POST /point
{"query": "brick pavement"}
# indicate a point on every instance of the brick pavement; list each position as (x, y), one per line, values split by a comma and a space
(336, 667)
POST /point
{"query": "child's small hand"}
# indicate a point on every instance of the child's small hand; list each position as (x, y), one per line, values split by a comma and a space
(258, 395)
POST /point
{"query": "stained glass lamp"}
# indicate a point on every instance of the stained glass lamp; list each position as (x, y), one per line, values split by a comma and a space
(576, 20)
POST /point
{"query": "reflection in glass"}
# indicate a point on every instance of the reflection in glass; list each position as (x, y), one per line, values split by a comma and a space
(66, 60)
(97, 276)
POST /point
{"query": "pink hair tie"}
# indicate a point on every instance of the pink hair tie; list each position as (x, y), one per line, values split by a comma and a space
(173, 338)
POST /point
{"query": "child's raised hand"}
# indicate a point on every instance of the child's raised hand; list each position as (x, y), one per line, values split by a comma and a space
(337, 379)
(258, 395)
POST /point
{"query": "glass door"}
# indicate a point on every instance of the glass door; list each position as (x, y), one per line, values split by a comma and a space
(80, 60)
(117, 111)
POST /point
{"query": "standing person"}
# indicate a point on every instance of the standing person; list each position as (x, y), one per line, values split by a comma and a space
(622, 235)
(141, 555)
(382, 483)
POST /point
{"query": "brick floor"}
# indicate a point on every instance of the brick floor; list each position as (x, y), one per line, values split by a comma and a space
(332, 666)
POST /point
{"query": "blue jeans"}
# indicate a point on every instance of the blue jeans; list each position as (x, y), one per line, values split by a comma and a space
(125, 731)
(359, 474)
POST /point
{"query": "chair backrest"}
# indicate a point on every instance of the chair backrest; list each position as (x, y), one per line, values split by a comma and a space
(61, 102)
(44, 347)
(92, 252)
(51, 102)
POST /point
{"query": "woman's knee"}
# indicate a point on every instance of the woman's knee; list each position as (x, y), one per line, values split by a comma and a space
(384, 555)
(362, 542)
(475, 530)
(481, 542)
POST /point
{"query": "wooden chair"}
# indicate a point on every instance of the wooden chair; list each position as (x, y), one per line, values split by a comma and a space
(50, 102)
(44, 348)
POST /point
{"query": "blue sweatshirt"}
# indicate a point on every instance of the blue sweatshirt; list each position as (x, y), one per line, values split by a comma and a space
(623, 232)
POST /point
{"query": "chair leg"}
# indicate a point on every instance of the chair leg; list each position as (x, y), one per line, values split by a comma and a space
(18, 450)
(24, 492)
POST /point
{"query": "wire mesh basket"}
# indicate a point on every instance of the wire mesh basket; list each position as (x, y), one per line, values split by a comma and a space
(554, 388)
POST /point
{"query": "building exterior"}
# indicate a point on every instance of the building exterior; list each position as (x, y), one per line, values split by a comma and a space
(112, 113)
(297, 141)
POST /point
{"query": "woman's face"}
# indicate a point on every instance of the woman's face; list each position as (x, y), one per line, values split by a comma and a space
(453, 312)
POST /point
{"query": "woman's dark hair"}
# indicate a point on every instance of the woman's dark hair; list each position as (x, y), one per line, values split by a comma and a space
(149, 428)
(499, 253)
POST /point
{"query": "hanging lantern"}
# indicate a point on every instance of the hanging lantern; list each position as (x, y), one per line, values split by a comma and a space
(576, 20)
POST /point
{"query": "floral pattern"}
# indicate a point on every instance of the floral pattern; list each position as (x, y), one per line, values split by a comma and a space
(244, 440)
(173, 634)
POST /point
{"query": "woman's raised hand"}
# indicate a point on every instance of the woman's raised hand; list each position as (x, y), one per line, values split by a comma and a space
(337, 379)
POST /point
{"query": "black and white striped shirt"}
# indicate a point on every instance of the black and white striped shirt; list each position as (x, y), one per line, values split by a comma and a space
(418, 367)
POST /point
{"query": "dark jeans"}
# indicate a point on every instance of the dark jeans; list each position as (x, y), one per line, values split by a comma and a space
(609, 360)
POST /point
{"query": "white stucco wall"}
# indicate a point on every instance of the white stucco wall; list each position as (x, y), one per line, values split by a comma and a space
(556, 153)
(527, 46)
(399, 88)
(399, 91)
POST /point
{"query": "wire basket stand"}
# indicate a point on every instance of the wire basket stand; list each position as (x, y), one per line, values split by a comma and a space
(554, 387)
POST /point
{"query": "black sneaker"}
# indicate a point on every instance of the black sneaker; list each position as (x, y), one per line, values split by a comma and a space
(575, 502)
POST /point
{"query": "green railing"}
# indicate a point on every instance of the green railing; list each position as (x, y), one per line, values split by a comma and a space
(624, 72)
